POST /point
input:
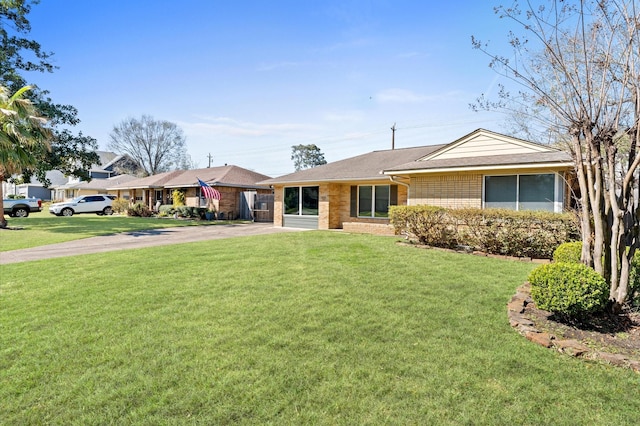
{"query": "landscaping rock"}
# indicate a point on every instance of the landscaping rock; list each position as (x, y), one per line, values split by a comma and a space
(542, 339)
(520, 310)
(615, 359)
(571, 347)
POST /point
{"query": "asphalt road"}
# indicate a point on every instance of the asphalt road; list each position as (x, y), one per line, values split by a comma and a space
(138, 239)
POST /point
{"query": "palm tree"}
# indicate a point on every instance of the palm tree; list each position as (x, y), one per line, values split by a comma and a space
(24, 139)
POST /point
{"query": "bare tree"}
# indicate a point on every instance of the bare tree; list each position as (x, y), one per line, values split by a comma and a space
(158, 146)
(578, 66)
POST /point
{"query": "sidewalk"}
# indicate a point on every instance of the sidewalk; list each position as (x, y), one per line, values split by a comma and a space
(138, 239)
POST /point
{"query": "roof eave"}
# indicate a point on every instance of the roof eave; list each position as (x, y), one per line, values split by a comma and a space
(566, 165)
(333, 180)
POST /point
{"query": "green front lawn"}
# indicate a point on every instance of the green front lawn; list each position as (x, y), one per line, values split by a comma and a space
(297, 328)
(44, 228)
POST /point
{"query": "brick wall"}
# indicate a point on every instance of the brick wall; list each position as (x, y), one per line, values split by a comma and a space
(450, 191)
(368, 228)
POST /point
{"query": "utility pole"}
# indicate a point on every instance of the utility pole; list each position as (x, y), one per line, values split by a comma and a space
(393, 136)
(210, 158)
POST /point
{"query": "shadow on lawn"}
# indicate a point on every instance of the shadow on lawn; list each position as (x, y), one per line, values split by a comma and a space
(97, 225)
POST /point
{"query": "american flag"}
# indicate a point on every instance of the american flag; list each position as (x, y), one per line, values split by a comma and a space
(209, 192)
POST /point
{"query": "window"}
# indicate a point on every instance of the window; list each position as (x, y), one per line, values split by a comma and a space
(374, 201)
(301, 200)
(521, 192)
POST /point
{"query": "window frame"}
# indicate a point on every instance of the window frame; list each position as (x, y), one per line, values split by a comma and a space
(558, 190)
(301, 201)
(373, 201)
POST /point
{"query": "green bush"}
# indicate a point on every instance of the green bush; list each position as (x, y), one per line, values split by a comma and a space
(496, 231)
(139, 210)
(166, 210)
(568, 252)
(570, 289)
(428, 224)
(120, 205)
(571, 253)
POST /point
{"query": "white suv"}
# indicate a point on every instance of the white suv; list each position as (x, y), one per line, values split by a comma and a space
(99, 204)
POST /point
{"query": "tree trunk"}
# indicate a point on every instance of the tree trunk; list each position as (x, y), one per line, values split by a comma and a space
(3, 220)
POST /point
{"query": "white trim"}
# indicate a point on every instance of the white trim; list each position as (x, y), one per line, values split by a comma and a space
(373, 202)
(482, 168)
(558, 202)
(558, 189)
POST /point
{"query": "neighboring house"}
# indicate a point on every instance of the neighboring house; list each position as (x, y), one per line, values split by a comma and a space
(35, 188)
(95, 186)
(238, 187)
(482, 169)
(109, 166)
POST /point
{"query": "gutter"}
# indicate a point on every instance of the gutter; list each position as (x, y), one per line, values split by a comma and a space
(392, 178)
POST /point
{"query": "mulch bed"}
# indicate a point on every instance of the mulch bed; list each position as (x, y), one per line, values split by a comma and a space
(607, 332)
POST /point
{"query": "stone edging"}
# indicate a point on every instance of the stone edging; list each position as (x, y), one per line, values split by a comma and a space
(526, 327)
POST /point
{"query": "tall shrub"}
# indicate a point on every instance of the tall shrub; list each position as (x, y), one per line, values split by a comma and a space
(179, 198)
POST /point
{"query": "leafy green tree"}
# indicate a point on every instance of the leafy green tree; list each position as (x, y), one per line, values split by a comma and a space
(157, 145)
(307, 156)
(73, 154)
(23, 136)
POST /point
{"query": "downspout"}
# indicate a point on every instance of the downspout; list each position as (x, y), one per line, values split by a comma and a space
(391, 178)
(406, 185)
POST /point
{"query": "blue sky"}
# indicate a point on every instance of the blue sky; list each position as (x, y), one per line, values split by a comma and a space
(246, 80)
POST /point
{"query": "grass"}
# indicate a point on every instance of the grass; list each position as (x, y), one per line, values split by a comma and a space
(43, 228)
(300, 328)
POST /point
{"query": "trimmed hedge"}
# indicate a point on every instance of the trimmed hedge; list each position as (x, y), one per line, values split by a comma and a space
(496, 231)
(571, 289)
(430, 225)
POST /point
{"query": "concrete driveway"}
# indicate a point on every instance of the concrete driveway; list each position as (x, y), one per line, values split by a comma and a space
(138, 239)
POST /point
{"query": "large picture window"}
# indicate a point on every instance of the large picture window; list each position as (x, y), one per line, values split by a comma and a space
(301, 200)
(374, 201)
(520, 192)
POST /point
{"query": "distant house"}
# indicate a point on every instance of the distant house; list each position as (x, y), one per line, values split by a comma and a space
(35, 189)
(239, 189)
(103, 174)
(482, 169)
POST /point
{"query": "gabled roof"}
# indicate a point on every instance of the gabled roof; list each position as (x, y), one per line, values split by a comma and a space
(484, 150)
(218, 176)
(485, 142)
(106, 158)
(479, 150)
(362, 167)
(543, 159)
(215, 176)
(56, 177)
(103, 183)
(148, 182)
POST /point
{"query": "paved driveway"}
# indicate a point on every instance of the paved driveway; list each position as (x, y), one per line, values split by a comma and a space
(137, 239)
